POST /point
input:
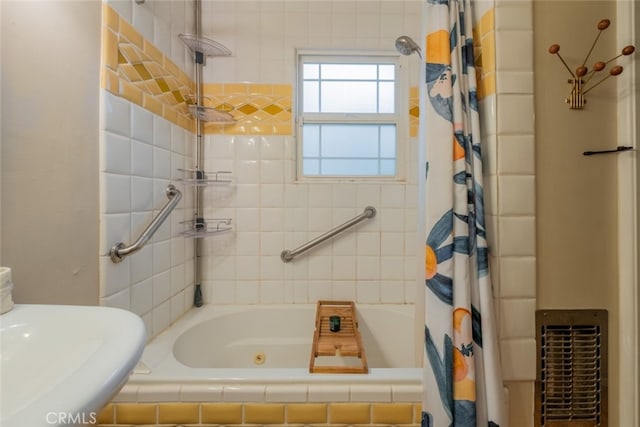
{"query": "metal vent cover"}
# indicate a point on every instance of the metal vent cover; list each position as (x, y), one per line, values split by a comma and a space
(572, 368)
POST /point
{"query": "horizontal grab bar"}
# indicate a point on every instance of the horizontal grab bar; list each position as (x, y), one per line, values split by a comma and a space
(286, 256)
(120, 250)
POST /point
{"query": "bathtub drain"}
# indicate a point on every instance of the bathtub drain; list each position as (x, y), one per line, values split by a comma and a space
(259, 358)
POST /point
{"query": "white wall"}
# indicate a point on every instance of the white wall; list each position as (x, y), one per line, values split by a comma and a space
(49, 131)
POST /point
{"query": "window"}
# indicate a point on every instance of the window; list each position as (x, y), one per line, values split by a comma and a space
(347, 116)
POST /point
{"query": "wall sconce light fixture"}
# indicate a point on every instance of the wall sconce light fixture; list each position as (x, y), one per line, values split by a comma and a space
(582, 76)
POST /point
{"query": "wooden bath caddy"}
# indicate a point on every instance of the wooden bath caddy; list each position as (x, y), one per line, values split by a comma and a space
(344, 343)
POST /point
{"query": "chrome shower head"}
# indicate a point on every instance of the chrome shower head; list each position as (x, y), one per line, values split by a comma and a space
(406, 46)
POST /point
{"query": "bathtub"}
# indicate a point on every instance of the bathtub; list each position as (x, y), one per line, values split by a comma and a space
(261, 353)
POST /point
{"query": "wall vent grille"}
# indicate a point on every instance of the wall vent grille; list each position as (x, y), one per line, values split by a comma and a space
(571, 382)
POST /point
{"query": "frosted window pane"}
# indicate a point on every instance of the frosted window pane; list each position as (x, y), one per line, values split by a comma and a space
(348, 97)
(311, 97)
(311, 71)
(387, 167)
(388, 141)
(387, 72)
(350, 141)
(311, 167)
(311, 141)
(349, 71)
(350, 167)
(386, 98)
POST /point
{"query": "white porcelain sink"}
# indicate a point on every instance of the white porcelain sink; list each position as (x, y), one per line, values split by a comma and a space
(61, 364)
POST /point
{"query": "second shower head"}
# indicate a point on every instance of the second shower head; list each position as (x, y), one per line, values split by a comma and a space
(407, 46)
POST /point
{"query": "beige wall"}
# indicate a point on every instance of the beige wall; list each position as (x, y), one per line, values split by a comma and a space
(50, 149)
(576, 194)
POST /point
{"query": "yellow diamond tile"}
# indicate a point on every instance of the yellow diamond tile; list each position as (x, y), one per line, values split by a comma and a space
(247, 109)
(272, 109)
(162, 84)
(142, 70)
(224, 107)
(260, 101)
(178, 96)
(415, 112)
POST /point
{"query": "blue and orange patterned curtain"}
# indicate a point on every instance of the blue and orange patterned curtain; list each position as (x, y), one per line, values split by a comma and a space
(462, 377)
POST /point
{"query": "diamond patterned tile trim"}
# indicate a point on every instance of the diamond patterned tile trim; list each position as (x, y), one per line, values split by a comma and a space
(134, 69)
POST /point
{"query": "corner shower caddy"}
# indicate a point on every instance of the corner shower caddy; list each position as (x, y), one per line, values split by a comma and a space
(199, 226)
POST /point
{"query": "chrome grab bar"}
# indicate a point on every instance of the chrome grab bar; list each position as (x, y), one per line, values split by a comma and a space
(120, 250)
(286, 255)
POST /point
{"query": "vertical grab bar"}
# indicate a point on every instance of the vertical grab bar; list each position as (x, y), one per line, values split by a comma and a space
(120, 250)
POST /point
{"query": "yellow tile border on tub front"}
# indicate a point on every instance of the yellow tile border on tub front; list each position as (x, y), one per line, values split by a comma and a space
(251, 414)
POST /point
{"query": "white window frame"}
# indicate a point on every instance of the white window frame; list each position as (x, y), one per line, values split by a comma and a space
(400, 117)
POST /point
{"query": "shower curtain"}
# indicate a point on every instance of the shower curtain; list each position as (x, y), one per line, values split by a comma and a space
(462, 378)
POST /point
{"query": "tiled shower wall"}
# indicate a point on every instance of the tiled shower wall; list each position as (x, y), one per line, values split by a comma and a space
(271, 209)
(145, 137)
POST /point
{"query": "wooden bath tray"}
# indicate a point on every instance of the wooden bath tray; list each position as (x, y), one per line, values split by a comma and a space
(342, 346)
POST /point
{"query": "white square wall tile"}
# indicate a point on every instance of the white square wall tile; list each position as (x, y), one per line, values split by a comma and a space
(141, 194)
(515, 114)
(116, 193)
(518, 277)
(116, 116)
(114, 277)
(114, 228)
(161, 317)
(120, 299)
(516, 50)
(161, 133)
(141, 124)
(516, 236)
(115, 154)
(518, 357)
(517, 195)
(142, 297)
(516, 154)
(161, 163)
(517, 318)
(141, 159)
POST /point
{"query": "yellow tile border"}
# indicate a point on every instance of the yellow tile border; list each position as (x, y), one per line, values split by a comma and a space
(246, 414)
(135, 80)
